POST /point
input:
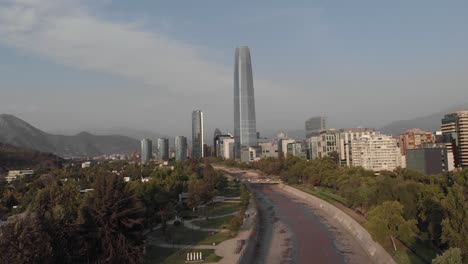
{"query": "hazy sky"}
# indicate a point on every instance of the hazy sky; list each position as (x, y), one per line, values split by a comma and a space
(147, 64)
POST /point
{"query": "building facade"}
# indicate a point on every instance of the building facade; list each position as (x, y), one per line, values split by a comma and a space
(346, 137)
(298, 149)
(455, 135)
(376, 152)
(146, 150)
(324, 143)
(414, 138)
(219, 144)
(428, 159)
(163, 149)
(245, 130)
(180, 148)
(283, 146)
(268, 149)
(197, 134)
(315, 125)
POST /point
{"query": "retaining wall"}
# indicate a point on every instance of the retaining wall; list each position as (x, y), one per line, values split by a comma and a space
(248, 252)
(372, 248)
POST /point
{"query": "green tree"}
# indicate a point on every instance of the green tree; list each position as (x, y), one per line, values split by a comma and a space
(386, 221)
(450, 256)
(455, 223)
(24, 241)
(111, 223)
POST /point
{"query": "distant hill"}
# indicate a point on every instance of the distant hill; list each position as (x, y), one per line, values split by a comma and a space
(12, 157)
(430, 122)
(17, 132)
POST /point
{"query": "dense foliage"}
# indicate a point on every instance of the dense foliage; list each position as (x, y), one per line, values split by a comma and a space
(91, 215)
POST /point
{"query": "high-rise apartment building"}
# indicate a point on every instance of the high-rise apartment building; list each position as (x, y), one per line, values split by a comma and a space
(455, 134)
(146, 150)
(245, 131)
(180, 148)
(376, 152)
(414, 138)
(315, 125)
(346, 137)
(197, 134)
(163, 149)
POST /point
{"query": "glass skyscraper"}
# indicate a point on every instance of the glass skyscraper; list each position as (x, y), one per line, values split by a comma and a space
(180, 148)
(197, 134)
(163, 149)
(245, 131)
(146, 150)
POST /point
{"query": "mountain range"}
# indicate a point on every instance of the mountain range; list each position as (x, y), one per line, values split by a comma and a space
(429, 122)
(17, 132)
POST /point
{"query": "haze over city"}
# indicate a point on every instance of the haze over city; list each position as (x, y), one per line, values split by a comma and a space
(90, 65)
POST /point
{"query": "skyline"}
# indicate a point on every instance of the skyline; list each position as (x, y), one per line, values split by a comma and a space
(150, 59)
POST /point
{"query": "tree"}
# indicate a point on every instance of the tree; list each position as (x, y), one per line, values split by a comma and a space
(24, 241)
(450, 256)
(111, 223)
(455, 223)
(386, 221)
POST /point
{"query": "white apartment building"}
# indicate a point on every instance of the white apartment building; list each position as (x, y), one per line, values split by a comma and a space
(15, 174)
(376, 152)
(346, 138)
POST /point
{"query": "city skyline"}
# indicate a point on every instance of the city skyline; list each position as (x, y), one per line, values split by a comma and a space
(150, 58)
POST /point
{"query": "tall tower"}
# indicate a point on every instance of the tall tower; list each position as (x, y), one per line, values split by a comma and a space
(163, 149)
(245, 131)
(197, 134)
(181, 148)
(146, 150)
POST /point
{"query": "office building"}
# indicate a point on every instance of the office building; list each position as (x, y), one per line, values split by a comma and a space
(219, 144)
(315, 125)
(298, 149)
(455, 135)
(163, 149)
(414, 138)
(245, 132)
(283, 146)
(180, 148)
(376, 152)
(197, 135)
(324, 143)
(429, 159)
(268, 149)
(146, 150)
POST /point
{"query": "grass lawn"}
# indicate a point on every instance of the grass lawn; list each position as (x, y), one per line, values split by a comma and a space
(176, 256)
(214, 223)
(187, 236)
(322, 193)
(220, 209)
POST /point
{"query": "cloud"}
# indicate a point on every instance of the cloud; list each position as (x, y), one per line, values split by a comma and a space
(67, 33)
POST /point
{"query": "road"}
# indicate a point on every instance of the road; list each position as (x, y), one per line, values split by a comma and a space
(291, 231)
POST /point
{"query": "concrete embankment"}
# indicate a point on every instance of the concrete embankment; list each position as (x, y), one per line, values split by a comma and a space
(372, 248)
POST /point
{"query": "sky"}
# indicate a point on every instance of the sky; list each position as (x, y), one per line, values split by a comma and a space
(73, 65)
